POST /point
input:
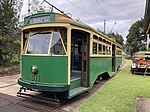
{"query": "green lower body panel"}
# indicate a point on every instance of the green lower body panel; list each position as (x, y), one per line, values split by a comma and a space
(98, 66)
(118, 62)
(50, 69)
(43, 87)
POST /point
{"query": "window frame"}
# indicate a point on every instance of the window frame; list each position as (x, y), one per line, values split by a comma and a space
(51, 39)
(24, 51)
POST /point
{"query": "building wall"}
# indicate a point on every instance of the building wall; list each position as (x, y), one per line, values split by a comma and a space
(148, 42)
(147, 22)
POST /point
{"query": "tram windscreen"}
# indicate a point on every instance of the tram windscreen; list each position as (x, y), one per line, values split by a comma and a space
(39, 43)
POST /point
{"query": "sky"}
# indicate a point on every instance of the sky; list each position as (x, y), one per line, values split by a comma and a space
(119, 14)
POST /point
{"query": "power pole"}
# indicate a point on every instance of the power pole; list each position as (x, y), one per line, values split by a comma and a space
(29, 5)
(104, 25)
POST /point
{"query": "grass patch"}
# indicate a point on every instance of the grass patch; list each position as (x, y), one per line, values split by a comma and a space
(119, 93)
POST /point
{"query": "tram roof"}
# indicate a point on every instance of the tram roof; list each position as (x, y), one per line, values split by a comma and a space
(52, 17)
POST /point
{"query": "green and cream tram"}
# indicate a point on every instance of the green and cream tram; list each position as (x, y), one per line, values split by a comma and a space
(64, 56)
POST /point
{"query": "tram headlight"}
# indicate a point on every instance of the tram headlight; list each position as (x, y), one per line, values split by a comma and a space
(34, 69)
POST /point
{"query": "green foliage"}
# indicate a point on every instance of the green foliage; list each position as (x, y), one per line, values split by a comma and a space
(9, 32)
(117, 37)
(119, 93)
(136, 38)
(9, 50)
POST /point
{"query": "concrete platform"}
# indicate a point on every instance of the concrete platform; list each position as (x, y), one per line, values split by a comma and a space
(8, 85)
(142, 104)
(8, 80)
(13, 104)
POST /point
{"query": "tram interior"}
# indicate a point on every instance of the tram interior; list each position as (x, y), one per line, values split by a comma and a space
(113, 58)
(76, 54)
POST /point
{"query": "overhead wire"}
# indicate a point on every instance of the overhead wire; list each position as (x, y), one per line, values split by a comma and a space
(88, 12)
(103, 9)
(82, 10)
(107, 14)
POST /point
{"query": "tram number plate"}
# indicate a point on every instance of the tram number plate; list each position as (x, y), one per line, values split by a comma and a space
(39, 20)
(35, 77)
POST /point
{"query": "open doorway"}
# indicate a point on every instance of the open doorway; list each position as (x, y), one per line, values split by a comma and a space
(113, 58)
(80, 56)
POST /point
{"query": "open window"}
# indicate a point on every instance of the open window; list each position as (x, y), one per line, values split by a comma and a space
(94, 48)
(100, 49)
(24, 40)
(59, 43)
(104, 49)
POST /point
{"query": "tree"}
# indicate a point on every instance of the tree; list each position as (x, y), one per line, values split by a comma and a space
(9, 16)
(9, 31)
(117, 37)
(136, 38)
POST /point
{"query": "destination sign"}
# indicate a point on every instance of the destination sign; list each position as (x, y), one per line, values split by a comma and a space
(42, 19)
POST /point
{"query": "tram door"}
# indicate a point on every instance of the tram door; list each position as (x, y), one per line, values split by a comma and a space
(80, 56)
(85, 61)
(113, 58)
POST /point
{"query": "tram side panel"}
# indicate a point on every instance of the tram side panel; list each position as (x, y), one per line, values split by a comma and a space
(98, 66)
(118, 61)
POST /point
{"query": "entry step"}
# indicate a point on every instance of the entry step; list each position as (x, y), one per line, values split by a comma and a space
(78, 90)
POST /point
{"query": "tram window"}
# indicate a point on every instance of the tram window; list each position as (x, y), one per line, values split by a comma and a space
(57, 47)
(109, 50)
(39, 43)
(100, 39)
(104, 40)
(94, 48)
(25, 37)
(63, 33)
(118, 52)
(95, 37)
(100, 49)
(104, 49)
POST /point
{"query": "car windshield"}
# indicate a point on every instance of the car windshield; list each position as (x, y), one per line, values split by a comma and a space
(39, 43)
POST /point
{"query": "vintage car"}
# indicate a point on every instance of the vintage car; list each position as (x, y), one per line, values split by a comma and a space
(141, 63)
